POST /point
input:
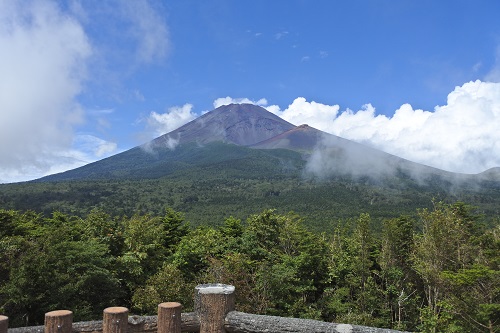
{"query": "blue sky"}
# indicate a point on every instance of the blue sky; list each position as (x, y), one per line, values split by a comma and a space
(82, 80)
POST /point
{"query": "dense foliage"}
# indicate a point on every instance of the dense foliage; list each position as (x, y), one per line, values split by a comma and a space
(216, 181)
(208, 198)
(436, 272)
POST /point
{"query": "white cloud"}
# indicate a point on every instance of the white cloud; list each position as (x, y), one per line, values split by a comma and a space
(43, 66)
(126, 36)
(161, 123)
(461, 136)
(148, 30)
(85, 149)
(92, 146)
(47, 58)
(314, 114)
(229, 100)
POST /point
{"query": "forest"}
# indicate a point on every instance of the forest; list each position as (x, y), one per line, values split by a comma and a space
(435, 271)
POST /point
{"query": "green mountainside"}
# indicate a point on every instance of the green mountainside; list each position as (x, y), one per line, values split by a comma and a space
(218, 180)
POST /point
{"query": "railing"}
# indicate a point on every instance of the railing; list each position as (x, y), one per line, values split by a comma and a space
(214, 313)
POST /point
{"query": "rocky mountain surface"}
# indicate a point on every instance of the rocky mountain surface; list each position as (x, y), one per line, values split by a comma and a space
(239, 124)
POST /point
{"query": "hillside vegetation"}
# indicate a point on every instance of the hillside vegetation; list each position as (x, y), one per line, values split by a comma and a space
(222, 180)
(437, 272)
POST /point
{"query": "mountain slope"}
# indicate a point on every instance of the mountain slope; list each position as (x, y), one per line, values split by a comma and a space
(138, 163)
(236, 124)
(324, 155)
(299, 138)
(328, 155)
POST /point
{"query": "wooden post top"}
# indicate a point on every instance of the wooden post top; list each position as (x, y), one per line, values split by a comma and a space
(58, 313)
(115, 310)
(2, 318)
(169, 305)
(215, 288)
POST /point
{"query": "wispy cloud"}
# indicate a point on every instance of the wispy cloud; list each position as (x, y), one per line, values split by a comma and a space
(280, 35)
(101, 111)
(132, 35)
(494, 74)
(148, 30)
(161, 123)
(92, 146)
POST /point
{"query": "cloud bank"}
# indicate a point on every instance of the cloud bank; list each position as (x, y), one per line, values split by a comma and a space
(461, 136)
(43, 68)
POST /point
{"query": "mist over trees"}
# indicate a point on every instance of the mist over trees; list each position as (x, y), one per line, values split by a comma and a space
(436, 272)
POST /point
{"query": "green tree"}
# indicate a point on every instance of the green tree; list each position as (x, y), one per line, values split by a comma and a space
(355, 294)
(57, 269)
(167, 285)
(474, 291)
(148, 242)
(365, 292)
(195, 250)
(292, 263)
(237, 269)
(475, 297)
(335, 301)
(174, 228)
(401, 291)
(101, 227)
(444, 245)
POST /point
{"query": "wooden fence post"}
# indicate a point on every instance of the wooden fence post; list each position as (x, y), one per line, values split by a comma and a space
(4, 324)
(212, 303)
(115, 320)
(169, 317)
(59, 321)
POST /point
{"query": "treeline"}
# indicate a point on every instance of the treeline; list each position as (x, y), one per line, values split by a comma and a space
(438, 272)
(207, 199)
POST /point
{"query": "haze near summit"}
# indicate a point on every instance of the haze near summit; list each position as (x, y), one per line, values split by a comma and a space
(82, 80)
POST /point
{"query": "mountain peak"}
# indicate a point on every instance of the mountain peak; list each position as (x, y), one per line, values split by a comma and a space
(240, 124)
